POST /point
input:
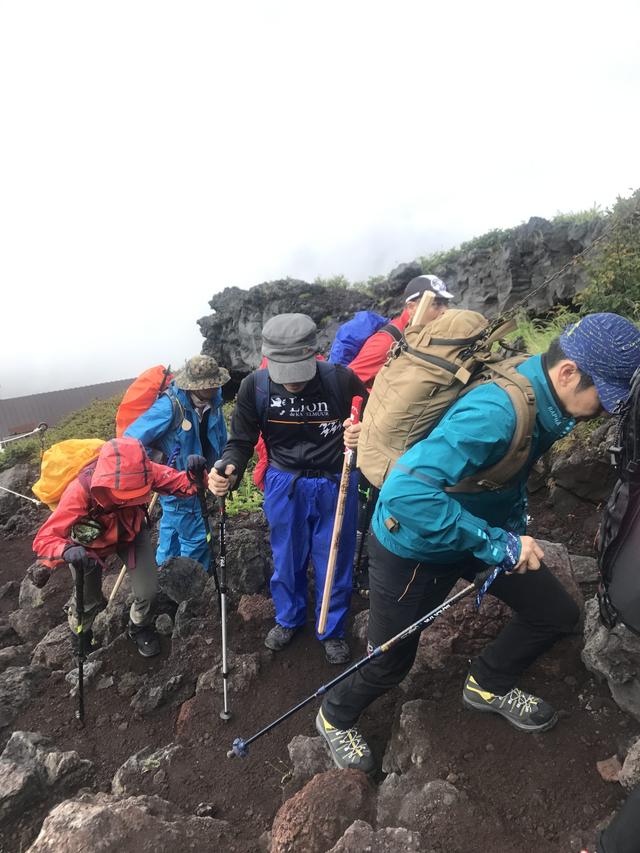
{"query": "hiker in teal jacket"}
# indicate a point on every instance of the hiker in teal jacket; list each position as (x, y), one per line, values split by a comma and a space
(186, 420)
(474, 434)
(425, 538)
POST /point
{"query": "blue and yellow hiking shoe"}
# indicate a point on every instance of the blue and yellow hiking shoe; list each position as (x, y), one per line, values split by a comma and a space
(523, 710)
(349, 750)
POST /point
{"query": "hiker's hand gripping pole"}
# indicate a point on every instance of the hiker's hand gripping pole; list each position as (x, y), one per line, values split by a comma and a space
(347, 467)
(240, 746)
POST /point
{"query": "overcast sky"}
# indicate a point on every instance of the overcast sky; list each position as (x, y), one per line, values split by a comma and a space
(153, 153)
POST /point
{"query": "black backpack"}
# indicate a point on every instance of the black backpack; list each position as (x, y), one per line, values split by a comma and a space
(619, 537)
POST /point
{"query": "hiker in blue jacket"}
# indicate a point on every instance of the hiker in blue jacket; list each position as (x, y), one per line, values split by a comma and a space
(187, 419)
(425, 538)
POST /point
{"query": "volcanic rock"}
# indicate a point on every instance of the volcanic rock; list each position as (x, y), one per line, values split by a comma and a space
(361, 837)
(425, 807)
(92, 822)
(309, 756)
(54, 650)
(180, 578)
(409, 745)
(138, 775)
(31, 769)
(256, 608)
(630, 774)
(615, 656)
(315, 818)
(18, 685)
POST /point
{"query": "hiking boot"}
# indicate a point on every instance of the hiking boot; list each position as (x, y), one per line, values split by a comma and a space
(146, 639)
(523, 710)
(336, 650)
(279, 637)
(347, 746)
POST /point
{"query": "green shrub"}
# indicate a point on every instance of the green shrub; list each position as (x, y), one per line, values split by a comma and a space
(581, 216)
(538, 334)
(614, 267)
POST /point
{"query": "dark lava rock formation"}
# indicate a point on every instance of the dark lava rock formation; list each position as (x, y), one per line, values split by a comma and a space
(492, 275)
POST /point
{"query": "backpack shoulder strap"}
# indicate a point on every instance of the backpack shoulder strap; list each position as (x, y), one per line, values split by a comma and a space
(330, 377)
(177, 408)
(523, 399)
(262, 393)
(392, 330)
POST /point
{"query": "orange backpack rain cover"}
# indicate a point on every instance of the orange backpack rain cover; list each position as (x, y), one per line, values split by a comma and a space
(140, 395)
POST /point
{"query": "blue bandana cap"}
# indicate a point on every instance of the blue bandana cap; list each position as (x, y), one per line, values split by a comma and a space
(607, 347)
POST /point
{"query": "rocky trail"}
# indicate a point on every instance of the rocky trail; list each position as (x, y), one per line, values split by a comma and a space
(151, 761)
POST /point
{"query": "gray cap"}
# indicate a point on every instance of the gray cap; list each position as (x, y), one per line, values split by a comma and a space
(426, 284)
(201, 372)
(289, 343)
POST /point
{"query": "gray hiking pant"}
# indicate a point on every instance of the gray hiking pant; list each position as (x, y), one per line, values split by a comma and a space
(144, 583)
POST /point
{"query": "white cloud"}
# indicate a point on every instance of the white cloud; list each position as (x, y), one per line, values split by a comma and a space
(153, 153)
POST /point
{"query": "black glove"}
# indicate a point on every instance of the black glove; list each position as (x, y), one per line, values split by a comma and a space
(77, 556)
(38, 575)
(196, 468)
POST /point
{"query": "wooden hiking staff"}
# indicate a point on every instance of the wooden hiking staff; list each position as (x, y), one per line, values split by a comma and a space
(423, 306)
(347, 467)
(123, 570)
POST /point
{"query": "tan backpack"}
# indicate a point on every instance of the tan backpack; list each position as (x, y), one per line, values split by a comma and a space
(424, 374)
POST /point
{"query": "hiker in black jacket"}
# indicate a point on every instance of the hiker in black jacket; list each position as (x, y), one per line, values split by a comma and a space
(301, 406)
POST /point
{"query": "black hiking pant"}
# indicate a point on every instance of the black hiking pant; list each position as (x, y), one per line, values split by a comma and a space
(623, 833)
(401, 591)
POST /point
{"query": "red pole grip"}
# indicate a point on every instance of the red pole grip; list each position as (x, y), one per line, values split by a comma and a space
(356, 408)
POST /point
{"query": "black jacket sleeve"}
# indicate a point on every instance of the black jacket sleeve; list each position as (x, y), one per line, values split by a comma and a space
(245, 428)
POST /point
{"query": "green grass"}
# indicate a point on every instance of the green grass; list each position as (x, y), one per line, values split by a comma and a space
(579, 217)
(97, 420)
(538, 334)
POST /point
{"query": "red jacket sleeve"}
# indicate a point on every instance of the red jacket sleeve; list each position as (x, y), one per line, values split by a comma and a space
(54, 535)
(373, 353)
(168, 481)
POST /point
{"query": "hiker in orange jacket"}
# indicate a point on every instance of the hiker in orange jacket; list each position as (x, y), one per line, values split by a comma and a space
(103, 512)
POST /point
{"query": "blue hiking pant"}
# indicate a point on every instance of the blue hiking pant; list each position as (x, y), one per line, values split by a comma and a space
(182, 532)
(300, 512)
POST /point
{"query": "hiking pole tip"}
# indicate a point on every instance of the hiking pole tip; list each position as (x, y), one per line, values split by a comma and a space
(239, 749)
(225, 715)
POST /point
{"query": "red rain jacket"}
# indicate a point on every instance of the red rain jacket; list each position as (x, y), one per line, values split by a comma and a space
(122, 464)
(373, 352)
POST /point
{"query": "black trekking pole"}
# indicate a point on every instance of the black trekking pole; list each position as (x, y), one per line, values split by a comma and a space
(225, 714)
(372, 496)
(204, 509)
(240, 747)
(80, 631)
(220, 581)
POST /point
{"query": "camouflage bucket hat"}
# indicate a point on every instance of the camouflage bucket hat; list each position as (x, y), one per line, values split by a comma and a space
(201, 372)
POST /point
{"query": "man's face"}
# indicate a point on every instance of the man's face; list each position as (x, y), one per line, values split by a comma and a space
(580, 403)
(436, 309)
(294, 387)
(204, 394)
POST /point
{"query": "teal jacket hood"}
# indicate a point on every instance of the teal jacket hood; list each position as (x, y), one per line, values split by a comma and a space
(417, 519)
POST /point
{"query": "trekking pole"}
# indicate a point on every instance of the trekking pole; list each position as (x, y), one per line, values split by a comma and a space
(204, 510)
(372, 496)
(225, 714)
(221, 582)
(24, 497)
(123, 570)
(240, 747)
(347, 467)
(80, 631)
